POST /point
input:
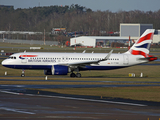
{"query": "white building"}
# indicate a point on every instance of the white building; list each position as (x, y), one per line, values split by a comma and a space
(96, 40)
(156, 37)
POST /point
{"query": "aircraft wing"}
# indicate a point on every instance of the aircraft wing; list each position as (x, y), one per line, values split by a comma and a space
(84, 63)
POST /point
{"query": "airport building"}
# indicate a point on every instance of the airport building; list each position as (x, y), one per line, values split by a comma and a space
(133, 30)
(156, 37)
(136, 30)
(94, 41)
(126, 30)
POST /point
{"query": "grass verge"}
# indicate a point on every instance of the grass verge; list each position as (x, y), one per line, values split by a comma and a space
(133, 93)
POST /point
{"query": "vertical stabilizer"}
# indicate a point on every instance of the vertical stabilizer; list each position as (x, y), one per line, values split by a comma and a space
(142, 45)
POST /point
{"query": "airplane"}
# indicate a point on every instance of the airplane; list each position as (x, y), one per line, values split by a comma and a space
(63, 63)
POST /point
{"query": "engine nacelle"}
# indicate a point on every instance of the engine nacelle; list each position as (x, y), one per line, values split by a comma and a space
(57, 70)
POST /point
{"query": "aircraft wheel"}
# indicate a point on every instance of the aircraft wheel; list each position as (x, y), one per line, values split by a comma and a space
(72, 75)
(78, 75)
(22, 75)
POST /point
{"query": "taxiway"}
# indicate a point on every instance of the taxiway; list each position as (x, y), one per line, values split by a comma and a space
(19, 102)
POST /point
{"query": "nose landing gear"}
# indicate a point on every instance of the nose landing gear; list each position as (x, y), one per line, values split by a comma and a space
(23, 73)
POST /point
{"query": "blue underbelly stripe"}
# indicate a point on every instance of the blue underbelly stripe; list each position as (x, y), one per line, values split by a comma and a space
(45, 67)
(39, 67)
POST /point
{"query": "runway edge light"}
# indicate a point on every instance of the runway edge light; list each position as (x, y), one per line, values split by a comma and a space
(141, 75)
(5, 73)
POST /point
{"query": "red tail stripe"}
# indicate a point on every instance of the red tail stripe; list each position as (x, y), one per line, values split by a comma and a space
(136, 52)
(28, 56)
(147, 37)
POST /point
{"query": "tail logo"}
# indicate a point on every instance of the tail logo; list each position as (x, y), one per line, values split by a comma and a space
(147, 37)
(142, 46)
(147, 46)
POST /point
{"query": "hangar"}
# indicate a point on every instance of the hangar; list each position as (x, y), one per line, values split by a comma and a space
(96, 40)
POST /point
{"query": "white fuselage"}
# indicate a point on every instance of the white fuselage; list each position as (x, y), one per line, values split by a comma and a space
(43, 60)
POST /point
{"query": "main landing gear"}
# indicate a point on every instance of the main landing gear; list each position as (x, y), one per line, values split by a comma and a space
(75, 75)
(23, 73)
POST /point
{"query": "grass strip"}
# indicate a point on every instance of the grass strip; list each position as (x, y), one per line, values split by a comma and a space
(107, 80)
(133, 93)
(8, 82)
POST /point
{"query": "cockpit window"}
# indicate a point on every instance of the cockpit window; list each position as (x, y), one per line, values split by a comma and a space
(12, 57)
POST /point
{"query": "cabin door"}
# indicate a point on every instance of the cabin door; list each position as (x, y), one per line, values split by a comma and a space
(125, 60)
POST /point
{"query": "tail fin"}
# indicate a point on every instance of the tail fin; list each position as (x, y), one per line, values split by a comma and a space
(142, 46)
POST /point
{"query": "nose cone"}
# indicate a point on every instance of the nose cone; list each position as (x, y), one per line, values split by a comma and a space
(7, 63)
(4, 62)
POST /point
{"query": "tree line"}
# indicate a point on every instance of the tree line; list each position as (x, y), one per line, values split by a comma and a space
(73, 18)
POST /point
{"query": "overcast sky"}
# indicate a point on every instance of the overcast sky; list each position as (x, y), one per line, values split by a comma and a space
(103, 5)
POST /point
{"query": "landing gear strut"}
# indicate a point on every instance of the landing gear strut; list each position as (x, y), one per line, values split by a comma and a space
(23, 73)
(77, 74)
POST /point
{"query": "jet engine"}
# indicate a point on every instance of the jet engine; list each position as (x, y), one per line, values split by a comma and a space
(57, 70)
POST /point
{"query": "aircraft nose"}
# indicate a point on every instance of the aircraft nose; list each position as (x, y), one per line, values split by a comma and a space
(4, 62)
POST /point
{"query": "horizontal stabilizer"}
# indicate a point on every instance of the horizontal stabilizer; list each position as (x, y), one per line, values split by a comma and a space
(149, 58)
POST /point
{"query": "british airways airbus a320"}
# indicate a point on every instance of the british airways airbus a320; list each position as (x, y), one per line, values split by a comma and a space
(64, 63)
